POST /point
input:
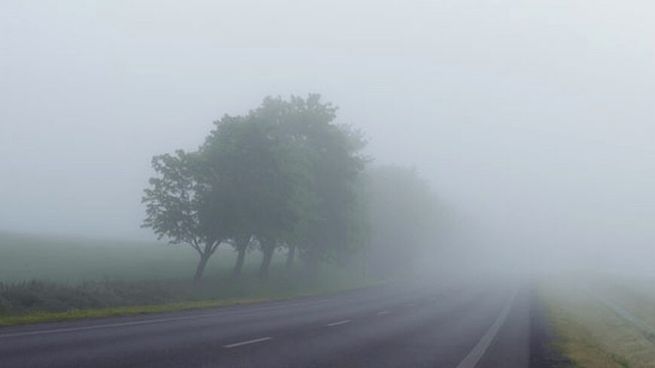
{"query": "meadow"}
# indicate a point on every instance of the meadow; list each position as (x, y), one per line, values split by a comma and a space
(76, 259)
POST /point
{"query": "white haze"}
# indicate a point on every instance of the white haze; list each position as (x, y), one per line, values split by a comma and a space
(533, 120)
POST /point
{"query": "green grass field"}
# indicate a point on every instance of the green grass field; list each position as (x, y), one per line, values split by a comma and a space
(69, 259)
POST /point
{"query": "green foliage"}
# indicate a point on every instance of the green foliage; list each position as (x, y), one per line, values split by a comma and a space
(172, 200)
(331, 162)
(180, 205)
(284, 174)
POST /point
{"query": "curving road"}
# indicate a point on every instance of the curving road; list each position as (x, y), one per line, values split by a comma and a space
(393, 326)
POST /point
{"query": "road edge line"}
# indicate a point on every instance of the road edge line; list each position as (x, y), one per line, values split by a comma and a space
(473, 357)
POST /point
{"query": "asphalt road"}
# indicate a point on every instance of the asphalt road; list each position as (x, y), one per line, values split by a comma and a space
(394, 326)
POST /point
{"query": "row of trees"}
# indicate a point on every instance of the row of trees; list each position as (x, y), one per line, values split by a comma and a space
(284, 175)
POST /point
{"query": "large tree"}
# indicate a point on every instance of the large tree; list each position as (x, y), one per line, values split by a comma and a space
(332, 154)
(262, 173)
(293, 174)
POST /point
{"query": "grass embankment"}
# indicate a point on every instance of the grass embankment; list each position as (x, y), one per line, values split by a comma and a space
(590, 329)
(88, 279)
(281, 291)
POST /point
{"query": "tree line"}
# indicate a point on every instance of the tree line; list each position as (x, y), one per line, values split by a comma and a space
(286, 176)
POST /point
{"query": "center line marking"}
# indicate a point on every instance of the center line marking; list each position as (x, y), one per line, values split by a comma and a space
(230, 346)
(338, 323)
(382, 313)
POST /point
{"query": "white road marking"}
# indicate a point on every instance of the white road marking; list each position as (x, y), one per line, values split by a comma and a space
(474, 356)
(253, 341)
(338, 323)
(382, 313)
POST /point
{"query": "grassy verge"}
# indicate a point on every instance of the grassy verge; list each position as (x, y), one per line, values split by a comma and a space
(42, 316)
(591, 334)
(39, 316)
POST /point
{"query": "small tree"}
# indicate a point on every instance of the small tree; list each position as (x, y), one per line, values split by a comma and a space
(180, 207)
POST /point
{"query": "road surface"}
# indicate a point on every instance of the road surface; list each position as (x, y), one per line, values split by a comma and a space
(392, 326)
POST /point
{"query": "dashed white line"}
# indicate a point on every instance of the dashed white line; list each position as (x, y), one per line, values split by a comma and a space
(338, 323)
(382, 313)
(248, 342)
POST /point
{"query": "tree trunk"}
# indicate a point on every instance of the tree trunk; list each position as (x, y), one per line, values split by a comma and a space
(267, 249)
(291, 256)
(242, 243)
(238, 266)
(200, 269)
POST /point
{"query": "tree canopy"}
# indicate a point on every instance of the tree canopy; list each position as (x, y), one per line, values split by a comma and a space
(283, 175)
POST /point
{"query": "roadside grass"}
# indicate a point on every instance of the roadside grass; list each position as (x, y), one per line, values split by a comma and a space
(43, 316)
(591, 334)
(176, 296)
(635, 295)
(68, 278)
(76, 314)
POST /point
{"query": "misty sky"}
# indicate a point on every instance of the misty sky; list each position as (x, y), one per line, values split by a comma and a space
(534, 119)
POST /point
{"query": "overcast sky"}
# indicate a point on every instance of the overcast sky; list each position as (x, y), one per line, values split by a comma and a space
(533, 118)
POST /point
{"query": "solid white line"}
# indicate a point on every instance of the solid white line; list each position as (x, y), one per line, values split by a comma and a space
(254, 341)
(474, 356)
(338, 323)
(382, 313)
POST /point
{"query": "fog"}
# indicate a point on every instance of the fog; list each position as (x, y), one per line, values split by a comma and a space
(532, 120)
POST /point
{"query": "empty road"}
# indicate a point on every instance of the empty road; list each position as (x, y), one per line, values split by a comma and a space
(393, 326)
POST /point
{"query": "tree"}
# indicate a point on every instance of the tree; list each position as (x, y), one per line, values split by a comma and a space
(400, 215)
(259, 171)
(327, 231)
(180, 207)
(291, 171)
(284, 175)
